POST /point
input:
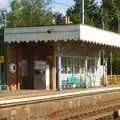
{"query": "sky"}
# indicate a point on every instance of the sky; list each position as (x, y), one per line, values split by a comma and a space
(4, 3)
(57, 5)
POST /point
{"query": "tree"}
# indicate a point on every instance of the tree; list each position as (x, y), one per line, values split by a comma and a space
(58, 18)
(29, 13)
(3, 13)
(91, 12)
(106, 15)
(110, 15)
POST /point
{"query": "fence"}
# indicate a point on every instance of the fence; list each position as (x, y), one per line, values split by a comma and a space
(113, 79)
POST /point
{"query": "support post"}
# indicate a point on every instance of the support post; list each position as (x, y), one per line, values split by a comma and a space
(95, 72)
(111, 65)
(59, 67)
(6, 64)
(52, 71)
(0, 77)
(98, 76)
(103, 66)
(2, 72)
(83, 19)
(98, 72)
(104, 70)
(86, 62)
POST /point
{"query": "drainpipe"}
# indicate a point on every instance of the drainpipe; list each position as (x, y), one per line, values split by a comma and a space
(98, 64)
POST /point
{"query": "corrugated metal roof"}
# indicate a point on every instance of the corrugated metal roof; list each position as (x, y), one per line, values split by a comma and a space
(99, 36)
(65, 32)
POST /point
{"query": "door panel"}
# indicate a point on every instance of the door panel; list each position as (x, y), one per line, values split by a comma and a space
(39, 81)
(27, 74)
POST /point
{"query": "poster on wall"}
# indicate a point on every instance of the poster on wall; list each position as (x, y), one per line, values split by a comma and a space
(39, 64)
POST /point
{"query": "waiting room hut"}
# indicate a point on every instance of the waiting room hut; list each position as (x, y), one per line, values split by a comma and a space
(58, 57)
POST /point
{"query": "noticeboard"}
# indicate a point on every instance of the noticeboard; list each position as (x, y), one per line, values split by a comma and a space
(39, 64)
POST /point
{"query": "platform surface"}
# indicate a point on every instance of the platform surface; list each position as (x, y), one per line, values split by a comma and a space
(7, 97)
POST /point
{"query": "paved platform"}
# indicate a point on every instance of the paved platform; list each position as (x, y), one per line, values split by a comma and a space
(33, 95)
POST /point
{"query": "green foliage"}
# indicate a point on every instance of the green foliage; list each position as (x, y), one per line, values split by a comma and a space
(1, 51)
(29, 13)
(110, 15)
(75, 16)
(106, 15)
(91, 10)
(115, 63)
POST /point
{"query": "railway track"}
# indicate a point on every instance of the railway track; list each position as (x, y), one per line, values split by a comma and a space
(102, 111)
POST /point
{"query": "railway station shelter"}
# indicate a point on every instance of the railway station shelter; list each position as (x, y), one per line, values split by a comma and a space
(58, 57)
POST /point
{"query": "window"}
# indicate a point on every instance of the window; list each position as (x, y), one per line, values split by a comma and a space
(72, 65)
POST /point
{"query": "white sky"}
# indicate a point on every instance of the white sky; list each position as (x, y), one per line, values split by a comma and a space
(4, 3)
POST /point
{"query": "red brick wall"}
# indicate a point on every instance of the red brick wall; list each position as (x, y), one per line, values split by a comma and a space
(11, 58)
(18, 52)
